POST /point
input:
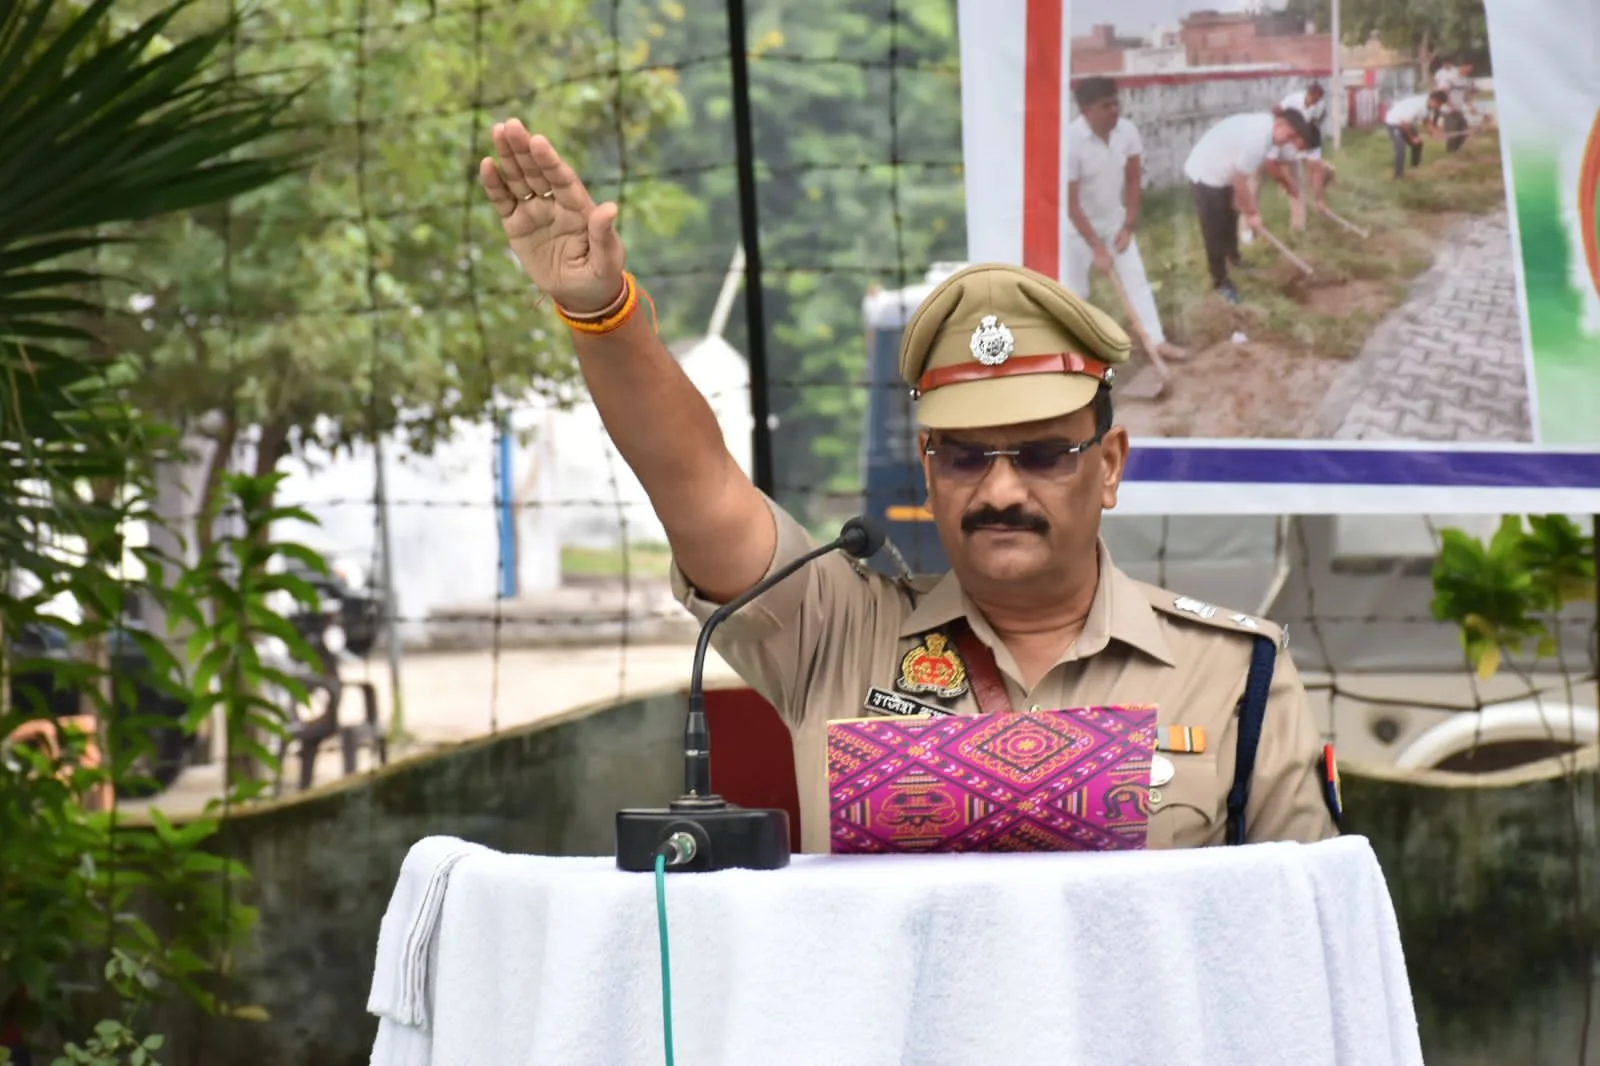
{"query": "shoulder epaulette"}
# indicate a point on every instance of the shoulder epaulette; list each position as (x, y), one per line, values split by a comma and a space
(1189, 609)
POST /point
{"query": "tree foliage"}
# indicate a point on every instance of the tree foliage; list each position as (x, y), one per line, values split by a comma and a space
(1421, 28)
(374, 295)
(857, 115)
(1511, 590)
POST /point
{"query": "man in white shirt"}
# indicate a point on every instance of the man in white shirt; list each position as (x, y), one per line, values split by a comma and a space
(1455, 80)
(1312, 103)
(1408, 120)
(1104, 153)
(1219, 169)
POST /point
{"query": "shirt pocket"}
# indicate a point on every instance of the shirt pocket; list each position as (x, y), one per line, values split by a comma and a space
(1190, 810)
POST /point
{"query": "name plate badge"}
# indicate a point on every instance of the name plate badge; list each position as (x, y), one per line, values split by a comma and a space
(892, 703)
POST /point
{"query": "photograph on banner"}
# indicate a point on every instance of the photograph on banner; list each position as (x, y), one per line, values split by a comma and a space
(1273, 292)
(1301, 210)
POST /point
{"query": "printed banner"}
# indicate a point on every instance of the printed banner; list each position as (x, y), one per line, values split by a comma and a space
(1362, 278)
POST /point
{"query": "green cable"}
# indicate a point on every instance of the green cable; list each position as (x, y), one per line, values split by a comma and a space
(666, 958)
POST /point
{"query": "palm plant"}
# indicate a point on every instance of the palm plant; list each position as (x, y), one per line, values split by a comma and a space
(104, 123)
(99, 127)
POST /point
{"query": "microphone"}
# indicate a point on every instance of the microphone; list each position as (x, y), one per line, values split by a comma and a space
(700, 831)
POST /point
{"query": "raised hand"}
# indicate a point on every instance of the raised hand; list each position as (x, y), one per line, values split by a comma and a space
(562, 238)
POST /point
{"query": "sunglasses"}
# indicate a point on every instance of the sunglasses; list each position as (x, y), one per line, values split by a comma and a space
(1049, 460)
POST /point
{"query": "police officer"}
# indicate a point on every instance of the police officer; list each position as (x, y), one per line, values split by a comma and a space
(1014, 378)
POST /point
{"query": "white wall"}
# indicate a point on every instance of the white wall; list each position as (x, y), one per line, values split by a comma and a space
(1172, 117)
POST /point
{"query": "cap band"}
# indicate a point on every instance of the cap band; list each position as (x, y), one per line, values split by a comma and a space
(1054, 363)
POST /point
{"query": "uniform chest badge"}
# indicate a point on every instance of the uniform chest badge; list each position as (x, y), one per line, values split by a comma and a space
(933, 667)
(992, 342)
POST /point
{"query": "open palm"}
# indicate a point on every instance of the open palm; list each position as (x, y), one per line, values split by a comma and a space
(563, 239)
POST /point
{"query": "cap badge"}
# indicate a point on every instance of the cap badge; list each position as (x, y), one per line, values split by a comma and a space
(992, 343)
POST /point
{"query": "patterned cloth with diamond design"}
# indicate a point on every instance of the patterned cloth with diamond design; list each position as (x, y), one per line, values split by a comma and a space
(1067, 780)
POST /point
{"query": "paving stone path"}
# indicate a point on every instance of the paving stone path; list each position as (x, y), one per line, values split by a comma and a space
(1448, 364)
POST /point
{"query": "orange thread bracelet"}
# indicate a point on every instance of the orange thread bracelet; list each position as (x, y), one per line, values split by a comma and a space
(610, 319)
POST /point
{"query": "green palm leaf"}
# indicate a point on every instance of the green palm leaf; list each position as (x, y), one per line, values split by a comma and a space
(127, 132)
(101, 126)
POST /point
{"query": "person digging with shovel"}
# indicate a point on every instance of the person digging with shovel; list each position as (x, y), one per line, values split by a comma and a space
(1104, 157)
(1219, 169)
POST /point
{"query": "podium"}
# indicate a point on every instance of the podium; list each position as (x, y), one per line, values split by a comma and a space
(1244, 956)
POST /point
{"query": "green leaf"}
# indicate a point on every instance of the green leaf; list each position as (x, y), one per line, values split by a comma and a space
(162, 826)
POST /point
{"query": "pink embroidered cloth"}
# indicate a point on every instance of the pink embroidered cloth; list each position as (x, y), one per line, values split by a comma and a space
(1068, 780)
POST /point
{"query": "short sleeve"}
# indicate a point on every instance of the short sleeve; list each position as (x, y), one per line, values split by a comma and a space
(774, 642)
(1133, 143)
(1286, 798)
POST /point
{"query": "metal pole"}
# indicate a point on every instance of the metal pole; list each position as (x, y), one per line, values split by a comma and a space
(397, 718)
(508, 514)
(750, 235)
(1336, 91)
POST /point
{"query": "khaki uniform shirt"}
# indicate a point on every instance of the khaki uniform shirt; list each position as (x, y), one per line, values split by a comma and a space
(815, 643)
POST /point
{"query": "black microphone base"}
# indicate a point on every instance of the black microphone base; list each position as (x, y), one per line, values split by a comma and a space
(725, 837)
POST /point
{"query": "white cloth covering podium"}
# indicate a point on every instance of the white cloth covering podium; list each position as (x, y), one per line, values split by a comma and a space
(1263, 954)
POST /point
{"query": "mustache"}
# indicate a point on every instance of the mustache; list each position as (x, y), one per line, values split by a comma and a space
(1011, 518)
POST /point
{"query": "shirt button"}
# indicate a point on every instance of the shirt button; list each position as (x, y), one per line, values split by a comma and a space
(1155, 796)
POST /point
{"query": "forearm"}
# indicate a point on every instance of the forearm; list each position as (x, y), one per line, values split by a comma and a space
(716, 521)
(1133, 199)
(660, 423)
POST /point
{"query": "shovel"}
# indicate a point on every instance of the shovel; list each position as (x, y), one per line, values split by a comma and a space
(1139, 390)
(1346, 223)
(1299, 263)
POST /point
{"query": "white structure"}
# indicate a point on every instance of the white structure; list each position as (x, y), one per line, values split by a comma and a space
(1548, 721)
